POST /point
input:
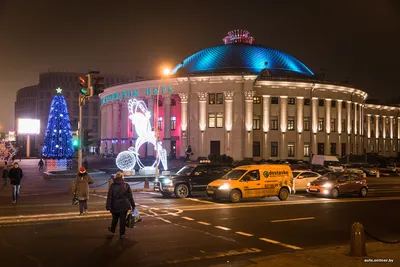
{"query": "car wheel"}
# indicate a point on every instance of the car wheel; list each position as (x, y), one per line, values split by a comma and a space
(166, 194)
(235, 196)
(181, 191)
(334, 193)
(363, 192)
(283, 194)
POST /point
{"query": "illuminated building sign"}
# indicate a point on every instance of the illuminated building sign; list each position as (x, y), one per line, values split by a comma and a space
(133, 93)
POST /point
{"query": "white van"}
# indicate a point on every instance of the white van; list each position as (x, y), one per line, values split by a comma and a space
(331, 163)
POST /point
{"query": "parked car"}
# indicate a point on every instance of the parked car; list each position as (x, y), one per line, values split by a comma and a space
(253, 181)
(369, 169)
(330, 163)
(353, 168)
(319, 169)
(301, 178)
(335, 183)
(191, 178)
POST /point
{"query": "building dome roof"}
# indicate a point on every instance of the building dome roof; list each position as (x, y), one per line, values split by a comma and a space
(239, 55)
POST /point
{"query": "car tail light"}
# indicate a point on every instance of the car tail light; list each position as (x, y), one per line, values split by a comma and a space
(364, 181)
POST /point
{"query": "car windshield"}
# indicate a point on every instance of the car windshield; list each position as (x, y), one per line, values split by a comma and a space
(331, 176)
(233, 175)
(295, 174)
(331, 163)
(187, 170)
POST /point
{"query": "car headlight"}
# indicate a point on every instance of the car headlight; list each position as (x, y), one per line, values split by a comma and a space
(224, 187)
(327, 185)
(308, 184)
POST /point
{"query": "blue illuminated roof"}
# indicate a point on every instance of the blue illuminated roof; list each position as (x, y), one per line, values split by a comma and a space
(243, 58)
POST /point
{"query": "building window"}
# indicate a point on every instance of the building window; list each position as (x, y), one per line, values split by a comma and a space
(94, 125)
(372, 133)
(343, 125)
(173, 123)
(371, 148)
(321, 102)
(394, 148)
(380, 148)
(291, 124)
(344, 105)
(307, 102)
(220, 120)
(333, 148)
(220, 98)
(211, 99)
(334, 103)
(256, 149)
(321, 125)
(256, 124)
(333, 125)
(274, 149)
(290, 149)
(306, 123)
(292, 101)
(211, 120)
(306, 149)
(274, 123)
(173, 102)
(160, 123)
(256, 100)
(85, 123)
(274, 100)
(387, 148)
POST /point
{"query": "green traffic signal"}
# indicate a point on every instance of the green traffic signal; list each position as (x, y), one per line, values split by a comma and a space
(84, 91)
(75, 142)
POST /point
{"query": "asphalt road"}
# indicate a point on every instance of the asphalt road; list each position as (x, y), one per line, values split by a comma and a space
(46, 231)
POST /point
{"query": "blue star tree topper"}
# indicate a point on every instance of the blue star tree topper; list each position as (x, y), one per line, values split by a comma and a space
(58, 139)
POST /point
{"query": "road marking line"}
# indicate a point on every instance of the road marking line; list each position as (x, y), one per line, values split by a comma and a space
(242, 233)
(188, 218)
(219, 255)
(152, 193)
(279, 243)
(172, 214)
(222, 228)
(204, 223)
(294, 219)
(144, 206)
(203, 201)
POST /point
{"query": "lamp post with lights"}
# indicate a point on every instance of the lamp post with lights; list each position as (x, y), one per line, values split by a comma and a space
(157, 130)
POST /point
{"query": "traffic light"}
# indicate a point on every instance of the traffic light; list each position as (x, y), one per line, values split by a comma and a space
(87, 138)
(83, 83)
(75, 142)
(98, 85)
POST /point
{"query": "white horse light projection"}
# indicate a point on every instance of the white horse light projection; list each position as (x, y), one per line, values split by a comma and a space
(141, 118)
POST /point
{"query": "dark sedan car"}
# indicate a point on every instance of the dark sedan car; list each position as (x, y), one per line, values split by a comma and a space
(190, 178)
(334, 183)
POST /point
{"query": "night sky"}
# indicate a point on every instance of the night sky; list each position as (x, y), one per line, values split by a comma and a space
(356, 39)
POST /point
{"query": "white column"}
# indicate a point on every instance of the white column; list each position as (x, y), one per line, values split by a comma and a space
(109, 128)
(266, 120)
(314, 123)
(124, 125)
(202, 120)
(348, 111)
(150, 107)
(103, 112)
(356, 129)
(368, 126)
(299, 122)
(328, 106)
(248, 115)
(167, 123)
(116, 127)
(339, 125)
(398, 134)
(377, 133)
(283, 121)
(184, 122)
(391, 127)
(228, 102)
(384, 127)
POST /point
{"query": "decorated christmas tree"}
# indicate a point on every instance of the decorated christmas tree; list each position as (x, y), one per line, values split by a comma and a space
(58, 140)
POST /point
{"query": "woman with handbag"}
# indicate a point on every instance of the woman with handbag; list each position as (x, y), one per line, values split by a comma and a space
(119, 202)
(82, 182)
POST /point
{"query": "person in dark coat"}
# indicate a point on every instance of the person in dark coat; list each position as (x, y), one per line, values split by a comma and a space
(41, 164)
(15, 174)
(82, 182)
(119, 202)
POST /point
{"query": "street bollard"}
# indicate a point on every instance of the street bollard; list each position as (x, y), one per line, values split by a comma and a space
(71, 186)
(110, 182)
(377, 175)
(146, 183)
(357, 241)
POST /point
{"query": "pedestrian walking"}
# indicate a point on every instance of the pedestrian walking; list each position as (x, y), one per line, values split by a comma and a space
(41, 164)
(82, 182)
(188, 153)
(15, 174)
(119, 202)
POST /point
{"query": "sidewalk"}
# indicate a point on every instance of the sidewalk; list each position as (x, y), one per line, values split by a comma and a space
(334, 257)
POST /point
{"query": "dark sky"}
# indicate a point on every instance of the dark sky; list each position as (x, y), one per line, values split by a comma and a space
(358, 39)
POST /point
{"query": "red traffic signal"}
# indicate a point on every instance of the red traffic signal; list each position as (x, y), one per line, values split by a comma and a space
(82, 81)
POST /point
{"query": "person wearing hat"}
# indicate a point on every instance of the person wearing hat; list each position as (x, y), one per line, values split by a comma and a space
(82, 182)
(119, 202)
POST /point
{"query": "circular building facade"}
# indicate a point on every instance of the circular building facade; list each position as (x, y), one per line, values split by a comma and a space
(249, 101)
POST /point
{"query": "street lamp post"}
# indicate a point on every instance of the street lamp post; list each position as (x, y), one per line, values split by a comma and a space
(157, 130)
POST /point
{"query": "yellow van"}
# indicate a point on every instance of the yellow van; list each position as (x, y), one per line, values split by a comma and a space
(253, 181)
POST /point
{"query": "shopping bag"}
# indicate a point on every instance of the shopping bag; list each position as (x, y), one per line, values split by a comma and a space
(136, 216)
(75, 200)
(129, 221)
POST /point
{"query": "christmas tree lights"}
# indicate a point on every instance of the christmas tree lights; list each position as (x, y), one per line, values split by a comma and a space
(58, 140)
